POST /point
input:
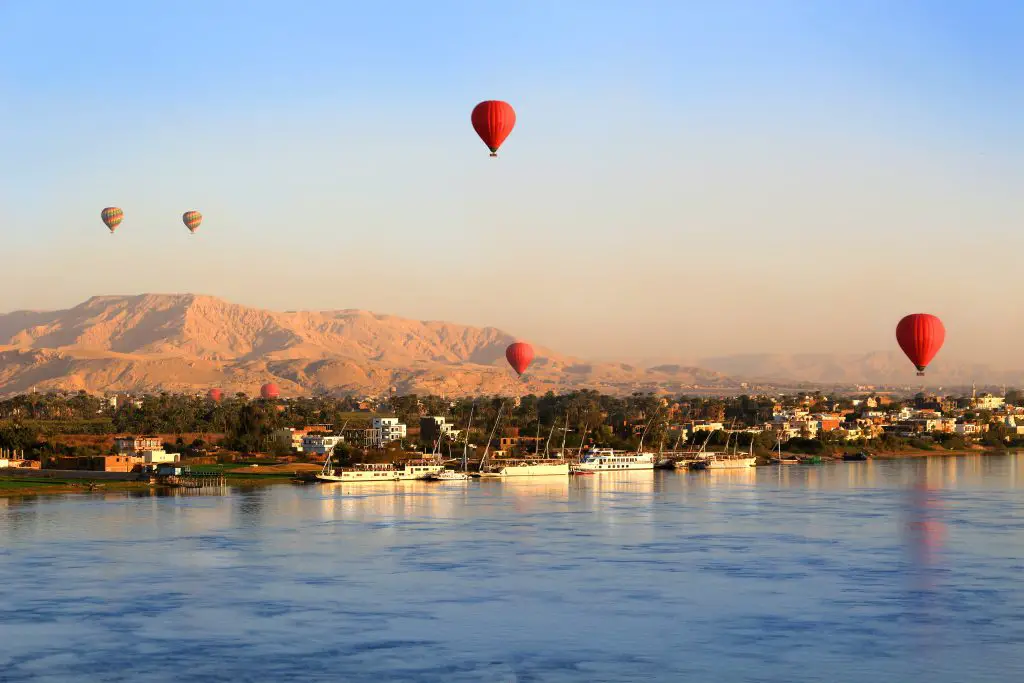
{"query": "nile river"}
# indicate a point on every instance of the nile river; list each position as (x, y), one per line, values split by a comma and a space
(833, 573)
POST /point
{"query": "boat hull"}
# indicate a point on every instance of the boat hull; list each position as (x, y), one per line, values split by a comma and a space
(536, 470)
(731, 463)
(372, 476)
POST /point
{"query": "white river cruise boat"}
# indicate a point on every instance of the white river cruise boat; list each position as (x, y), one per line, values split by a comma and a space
(526, 468)
(607, 460)
(720, 461)
(370, 472)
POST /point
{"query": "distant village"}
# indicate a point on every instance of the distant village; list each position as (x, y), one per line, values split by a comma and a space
(71, 431)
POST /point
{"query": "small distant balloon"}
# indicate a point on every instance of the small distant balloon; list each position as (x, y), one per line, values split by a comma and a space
(112, 217)
(493, 120)
(519, 355)
(192, 219)
(269, 391)
(215, 395)
(920, 335)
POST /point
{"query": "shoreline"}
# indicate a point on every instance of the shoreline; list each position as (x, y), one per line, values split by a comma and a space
(17, 486)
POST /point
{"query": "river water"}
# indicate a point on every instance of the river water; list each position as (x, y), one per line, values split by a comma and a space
(888, 570)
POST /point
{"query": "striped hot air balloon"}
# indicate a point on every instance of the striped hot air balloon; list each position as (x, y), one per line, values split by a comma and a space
(192, 219)
(112, 217)
(493, 120)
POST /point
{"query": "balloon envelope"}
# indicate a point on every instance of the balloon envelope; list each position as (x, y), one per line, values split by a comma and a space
(192, 219)
(519, 355)
(215, 395)
(112, 217)
(270, 390)
(493, 120)
(920, 335)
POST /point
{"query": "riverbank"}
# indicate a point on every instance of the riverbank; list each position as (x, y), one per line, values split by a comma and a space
(21, 485)
(246, 477)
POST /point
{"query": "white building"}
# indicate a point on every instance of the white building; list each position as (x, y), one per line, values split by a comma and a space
(130, 445)
(390, 430)
(988, 402)
(158, 457)
(289, 437)
(320, 444)
(434, 427)
(967, 428)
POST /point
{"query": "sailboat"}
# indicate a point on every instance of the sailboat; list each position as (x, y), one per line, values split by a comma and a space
(518, 467)
(783, 460)
(734, 460)
(455, 475)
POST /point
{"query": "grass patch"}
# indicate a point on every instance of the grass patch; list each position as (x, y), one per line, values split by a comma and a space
(254, 474)
(205, 468)
(18, 484)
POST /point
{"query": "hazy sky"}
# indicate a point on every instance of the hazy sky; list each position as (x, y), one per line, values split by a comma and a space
(685, 178)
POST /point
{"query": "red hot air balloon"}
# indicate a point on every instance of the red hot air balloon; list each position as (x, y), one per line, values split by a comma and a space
(192, 219)
(215, 395)
(493, 120)
(269, 391)
(112, 217)
(519, 356)
(920, 335)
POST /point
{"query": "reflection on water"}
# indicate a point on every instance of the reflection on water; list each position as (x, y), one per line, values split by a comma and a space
(865, 571)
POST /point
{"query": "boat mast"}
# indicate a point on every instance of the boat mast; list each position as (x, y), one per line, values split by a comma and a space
(487, 448)
(550, 434)
(640, 448)
(565, 430)
(582, 439)
(465, 446)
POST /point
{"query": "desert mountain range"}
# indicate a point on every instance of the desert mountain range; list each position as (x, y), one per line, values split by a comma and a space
(188, 342)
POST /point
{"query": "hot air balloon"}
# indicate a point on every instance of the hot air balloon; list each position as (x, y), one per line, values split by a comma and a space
(519, 355)
(112, 217)
(192, 219)
(215, 395)
(269, 391)
(920, 335)
(493, 120)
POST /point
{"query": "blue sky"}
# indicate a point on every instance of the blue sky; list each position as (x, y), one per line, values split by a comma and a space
(673, 163)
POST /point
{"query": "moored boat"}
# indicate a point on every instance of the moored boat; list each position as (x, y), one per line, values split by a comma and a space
(448, 475)
(525, 468)
(730, 462)
(607, 460)
(377, 472)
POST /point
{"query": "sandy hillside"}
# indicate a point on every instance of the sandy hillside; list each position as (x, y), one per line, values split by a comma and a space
(187, 342)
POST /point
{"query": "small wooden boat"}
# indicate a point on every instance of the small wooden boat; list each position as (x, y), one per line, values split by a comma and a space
(856, 457)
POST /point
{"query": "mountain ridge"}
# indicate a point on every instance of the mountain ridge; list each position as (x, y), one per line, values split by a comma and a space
(191, 342)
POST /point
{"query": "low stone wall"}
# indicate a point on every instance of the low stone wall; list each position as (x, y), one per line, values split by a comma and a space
(25, 473)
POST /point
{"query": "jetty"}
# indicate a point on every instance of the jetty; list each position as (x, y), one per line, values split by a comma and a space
(182, 476)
